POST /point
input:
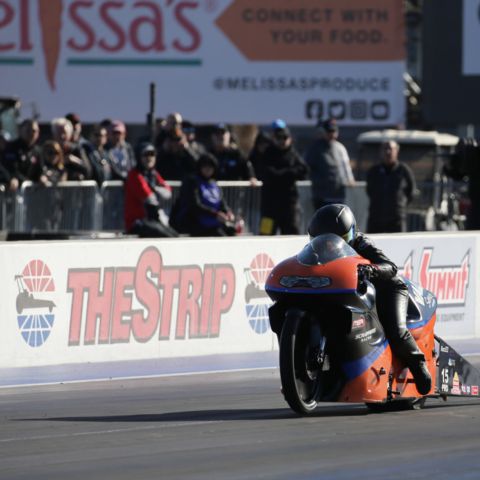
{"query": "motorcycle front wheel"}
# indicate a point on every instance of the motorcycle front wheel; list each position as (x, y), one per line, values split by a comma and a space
(301, 361)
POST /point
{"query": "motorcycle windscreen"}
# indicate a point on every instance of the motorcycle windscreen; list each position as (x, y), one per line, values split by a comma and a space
(324, 249)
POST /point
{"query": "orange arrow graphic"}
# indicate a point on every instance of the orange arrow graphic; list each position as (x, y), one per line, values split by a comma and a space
(312, 30)
(50, 12)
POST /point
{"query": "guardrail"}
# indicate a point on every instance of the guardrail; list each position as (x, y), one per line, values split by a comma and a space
(83, 206)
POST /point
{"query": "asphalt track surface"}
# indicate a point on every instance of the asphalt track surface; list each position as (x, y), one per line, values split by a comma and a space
(225, 426)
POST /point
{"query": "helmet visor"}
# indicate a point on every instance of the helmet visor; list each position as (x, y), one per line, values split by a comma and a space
(350, 235)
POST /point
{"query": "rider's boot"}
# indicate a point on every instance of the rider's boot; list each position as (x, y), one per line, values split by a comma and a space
(415, 361)
(421, 375)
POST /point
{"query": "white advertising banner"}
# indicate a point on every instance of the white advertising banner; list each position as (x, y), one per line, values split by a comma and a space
(99, 301)
(446, 265)
(238, 61)
(82, 302)
(471, 37)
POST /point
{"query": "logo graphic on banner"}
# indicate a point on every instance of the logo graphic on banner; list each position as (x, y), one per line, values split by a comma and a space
(176, 301)
(448, 282)
(34, 304)
(407, 270)
(256, 299)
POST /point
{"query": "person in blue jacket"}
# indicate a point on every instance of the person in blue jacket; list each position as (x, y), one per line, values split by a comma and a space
(201, 210)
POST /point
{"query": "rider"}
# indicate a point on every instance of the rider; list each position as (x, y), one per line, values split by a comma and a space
(392, 293)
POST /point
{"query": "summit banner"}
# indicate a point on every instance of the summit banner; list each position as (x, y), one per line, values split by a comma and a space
(237, 61)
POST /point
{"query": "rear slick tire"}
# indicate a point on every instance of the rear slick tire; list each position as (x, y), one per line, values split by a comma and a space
(301, 383)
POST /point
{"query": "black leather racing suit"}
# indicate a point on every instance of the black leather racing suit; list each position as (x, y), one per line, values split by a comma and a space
(391, 300)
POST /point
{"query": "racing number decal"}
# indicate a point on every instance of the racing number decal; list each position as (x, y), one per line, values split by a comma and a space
(445, 378)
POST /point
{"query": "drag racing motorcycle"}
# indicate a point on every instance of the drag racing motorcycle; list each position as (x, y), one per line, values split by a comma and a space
(332, 345)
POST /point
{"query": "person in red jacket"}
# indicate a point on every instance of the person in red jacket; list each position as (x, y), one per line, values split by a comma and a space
(145, 194)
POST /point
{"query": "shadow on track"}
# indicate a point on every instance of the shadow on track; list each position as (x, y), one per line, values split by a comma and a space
(227, 415)
(212, 415)
(451, 403)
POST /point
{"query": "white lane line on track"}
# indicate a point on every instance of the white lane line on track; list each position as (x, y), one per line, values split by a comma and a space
(106, 432)
(138, 377)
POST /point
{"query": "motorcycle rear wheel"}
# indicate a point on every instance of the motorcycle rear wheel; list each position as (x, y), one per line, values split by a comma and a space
(300, 375)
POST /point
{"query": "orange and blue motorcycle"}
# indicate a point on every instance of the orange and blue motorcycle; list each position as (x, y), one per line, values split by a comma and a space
(332, 345)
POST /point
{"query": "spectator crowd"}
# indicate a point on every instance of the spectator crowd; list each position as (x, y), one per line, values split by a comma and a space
(173, 152)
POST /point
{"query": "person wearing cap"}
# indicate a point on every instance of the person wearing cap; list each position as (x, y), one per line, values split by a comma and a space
(232, 163)
(330, 169)
(146, 193)
(120, 151)
(201, 210)
(280, 169)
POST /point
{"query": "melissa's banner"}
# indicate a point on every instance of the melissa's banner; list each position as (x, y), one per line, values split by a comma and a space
(238, 61)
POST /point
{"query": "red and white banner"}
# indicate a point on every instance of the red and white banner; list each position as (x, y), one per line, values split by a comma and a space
(238, 61)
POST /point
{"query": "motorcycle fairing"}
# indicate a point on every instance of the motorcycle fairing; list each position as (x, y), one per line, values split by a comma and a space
(342, 270)
(357, 367)
(422, 305)
(366, 358)
(367, 373)
(455, 375)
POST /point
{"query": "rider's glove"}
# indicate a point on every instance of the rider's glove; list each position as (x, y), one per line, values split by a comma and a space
(367, 272)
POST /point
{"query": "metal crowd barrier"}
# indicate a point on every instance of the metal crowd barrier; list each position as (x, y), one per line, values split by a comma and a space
(68, 206)
(83, 206)
(3, 208)
(113, 205)
(243, 199)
